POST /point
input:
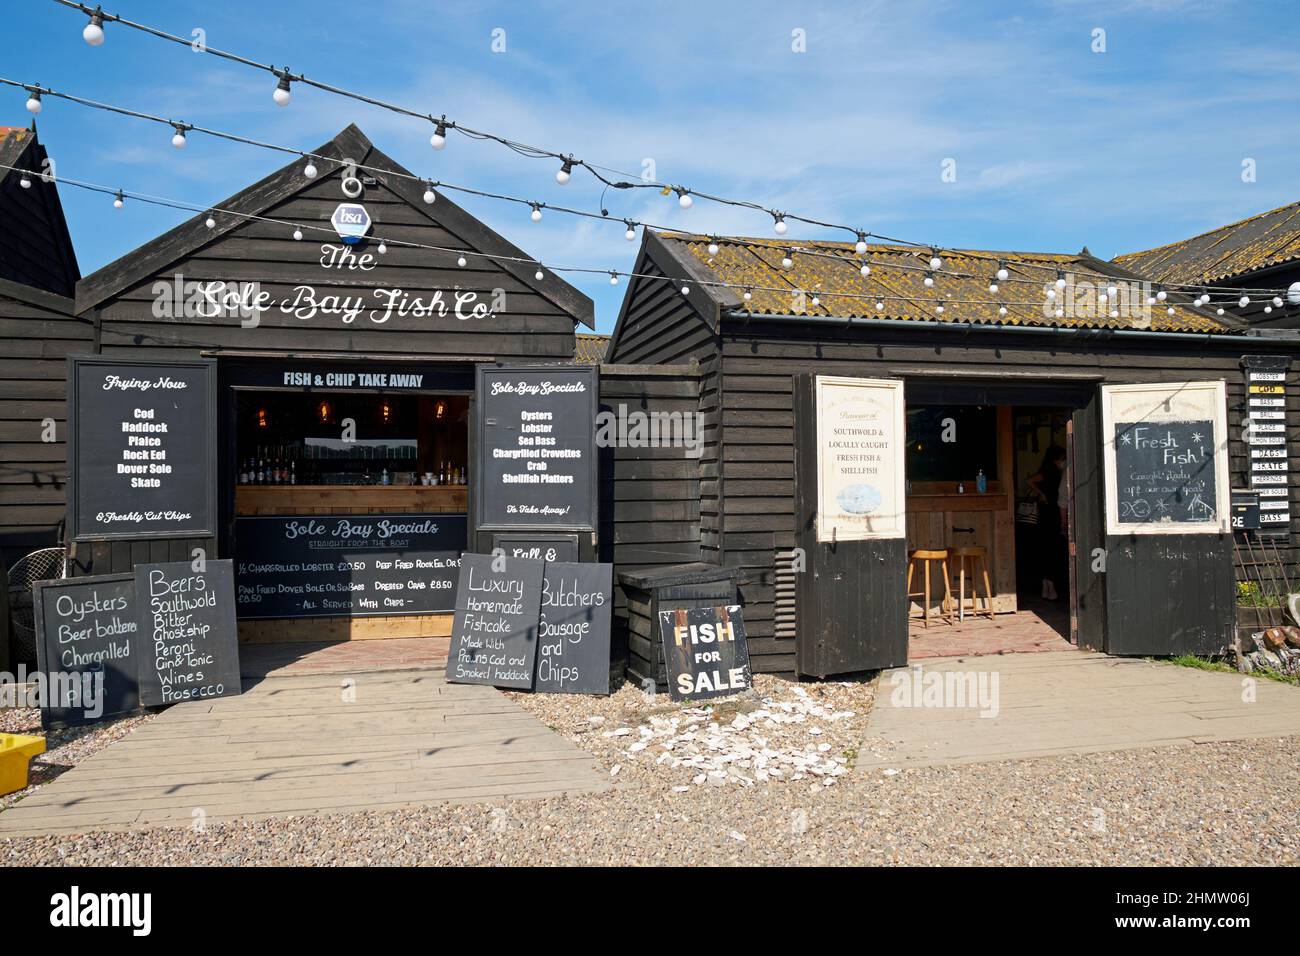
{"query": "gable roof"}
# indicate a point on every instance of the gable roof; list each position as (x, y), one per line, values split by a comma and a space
(1264, 241)
(824, 280)
(35, 247)
(349, 145)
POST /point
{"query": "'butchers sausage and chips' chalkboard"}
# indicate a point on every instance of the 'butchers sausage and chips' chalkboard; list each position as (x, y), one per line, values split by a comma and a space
(1165, 471)
(705, 652)
(573, 629)
(188, 646)
(86, 648)
(347, 566)
(536, 447)
(494, 630)
(142, 448)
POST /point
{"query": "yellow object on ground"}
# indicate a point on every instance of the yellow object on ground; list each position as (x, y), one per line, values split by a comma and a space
(15, 752)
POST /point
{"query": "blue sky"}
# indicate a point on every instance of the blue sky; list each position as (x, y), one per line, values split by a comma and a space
(1055, 146)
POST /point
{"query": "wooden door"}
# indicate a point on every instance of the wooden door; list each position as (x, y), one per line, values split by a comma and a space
(1169, 580)
(850, 597)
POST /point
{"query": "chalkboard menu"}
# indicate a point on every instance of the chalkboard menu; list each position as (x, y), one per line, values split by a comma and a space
(543, 547)
(1264, 430)
(142, 448)
(347, 565)
(86, 648)
(1165, 472)
(187, 641)
(705, 652)
(536, 447)
(494, 630)
(573, 629)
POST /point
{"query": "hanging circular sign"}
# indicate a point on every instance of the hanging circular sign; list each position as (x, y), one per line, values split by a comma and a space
(351, 222)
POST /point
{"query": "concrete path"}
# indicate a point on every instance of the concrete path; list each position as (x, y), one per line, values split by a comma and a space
(293, 745)
(1067, 702)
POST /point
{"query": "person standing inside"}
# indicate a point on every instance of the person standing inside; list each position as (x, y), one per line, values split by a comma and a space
(1047, 485)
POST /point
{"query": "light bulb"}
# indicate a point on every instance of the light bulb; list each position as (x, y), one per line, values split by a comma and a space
(1277, 301)
(282, 94)
(928, 280)
(865, 270)
(1151, 300)
(1002, 310)
(536, 214)
(686, 290)
(935, 262)
(780, 226)
(613, 279)
(1244, 301)
(860, 247)
(1293, 293)
(461, 262)
(1003, 274)
(564, 173)
(1111, 290)
(538, 275)
(178, 138)
(1060, 281)
(1051, 293)
(429, 196)
(1171, 310)
(25, 182)
(684, 199)
(630, 234)
(310, 170)
(210, 223)
(1219, 311)
(93, 33)
(1267, 309)
(439, 138)
(1114, 313)
(383, 247)
(748, 295)
(713, 248)
(787, 262)
(297, 234)
(816, 300)
(880, 306)
(1162, 295)
(34, 102)
(119, 200)
(993, 287)
(938, 309)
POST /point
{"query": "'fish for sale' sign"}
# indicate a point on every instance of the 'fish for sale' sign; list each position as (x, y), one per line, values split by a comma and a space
(705, 652)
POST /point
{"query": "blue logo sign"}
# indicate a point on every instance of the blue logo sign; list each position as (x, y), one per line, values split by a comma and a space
(351, 222)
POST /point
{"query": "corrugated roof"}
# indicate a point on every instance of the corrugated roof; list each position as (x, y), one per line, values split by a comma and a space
(1269, 239)
(824, 280)
(589, 349)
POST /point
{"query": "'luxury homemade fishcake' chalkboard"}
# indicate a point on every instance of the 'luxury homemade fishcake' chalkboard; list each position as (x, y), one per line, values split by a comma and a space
(188, 646)
(573, 629)
(1164, 471)
(494, 630)
(142, 448)
(536, 447)
(705, 652)
(86, 648)
(347, 565)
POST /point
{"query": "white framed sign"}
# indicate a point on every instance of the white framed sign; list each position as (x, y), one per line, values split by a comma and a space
(861, 434)
(1165, 449)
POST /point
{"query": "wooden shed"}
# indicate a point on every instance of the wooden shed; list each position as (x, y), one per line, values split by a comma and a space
(38, 330)
(782, 332)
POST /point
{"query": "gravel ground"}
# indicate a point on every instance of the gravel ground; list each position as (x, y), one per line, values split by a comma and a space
(1221, 804)
(64, 749)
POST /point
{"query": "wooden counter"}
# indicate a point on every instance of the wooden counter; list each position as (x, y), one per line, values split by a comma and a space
(350, 499)
(255, 500)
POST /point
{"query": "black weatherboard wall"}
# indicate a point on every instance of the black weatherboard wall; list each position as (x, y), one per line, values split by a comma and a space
(527, 319)
(749, 461)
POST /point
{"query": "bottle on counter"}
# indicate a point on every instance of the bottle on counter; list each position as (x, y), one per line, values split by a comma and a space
(961, 487)
(981, 482)
(383, 478)
(293, 472)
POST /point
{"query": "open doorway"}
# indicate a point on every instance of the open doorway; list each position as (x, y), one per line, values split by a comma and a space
(985, 522)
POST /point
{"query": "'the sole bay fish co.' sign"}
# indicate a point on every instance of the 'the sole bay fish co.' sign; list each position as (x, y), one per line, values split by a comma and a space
(705, 652)
(1166, 455)
(1264, 430)
(355, 565)
(141, 449)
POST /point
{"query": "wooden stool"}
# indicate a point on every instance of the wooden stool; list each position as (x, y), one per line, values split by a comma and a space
(923, 558)
(977, 560)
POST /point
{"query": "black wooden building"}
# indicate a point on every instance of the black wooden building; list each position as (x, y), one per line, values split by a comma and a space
(759, 320)
(38, 330)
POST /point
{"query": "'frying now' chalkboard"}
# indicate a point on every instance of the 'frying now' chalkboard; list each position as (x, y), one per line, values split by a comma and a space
(188, 646)
(1164, 472)
(142, 448)
(536, 447)
(573, 629)
(494, 630)
(347, 565)
(86, 648)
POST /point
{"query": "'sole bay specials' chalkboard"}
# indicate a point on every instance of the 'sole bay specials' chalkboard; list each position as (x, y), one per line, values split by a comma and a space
(573, 629)
(142, 448)
(86, 647)
(536, 447)
(188, 646)
(1164, 471)
(494, 631)
(347, 565)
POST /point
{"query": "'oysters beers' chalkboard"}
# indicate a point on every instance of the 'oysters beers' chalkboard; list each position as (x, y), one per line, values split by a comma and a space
(536, 448)
(573, 629)
(86, 648)
(142, 449)
(494, 630)
(1164, 471)
(188, 646)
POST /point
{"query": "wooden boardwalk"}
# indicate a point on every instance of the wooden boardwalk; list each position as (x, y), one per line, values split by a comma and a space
(295, 745)
(1071, 702)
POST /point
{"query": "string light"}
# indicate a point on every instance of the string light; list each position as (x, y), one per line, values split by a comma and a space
(779, 224)
(1002, 272)
(25, 181)
(429, 197)
(993, 286)
(34, 102)
(538, 275)
(686, 290)
(613, 278)
(860, 247)
(461, 262)
(713, 247)
(865, 270)
(282, 95)
(536, 214)
(439, 138)
(787, 261)
(297, 234)
(684, 197)
(119, 200)
(210, 223)
(936, 263)
(178, 138)
(1244, 301)
(93, 32)
(383, 249)
(565, 173)
(630, 235)
(1060, 278)
(310, 170)
(929, 280)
